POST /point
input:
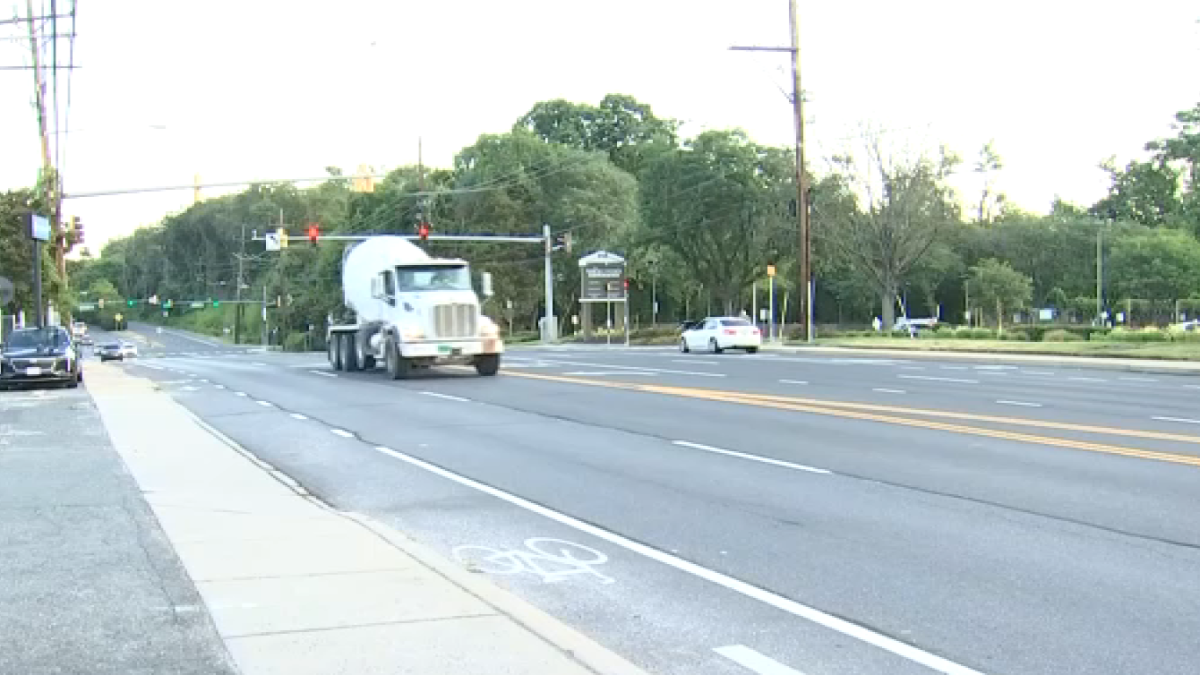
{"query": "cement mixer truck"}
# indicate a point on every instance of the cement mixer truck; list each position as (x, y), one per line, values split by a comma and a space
(406, 310)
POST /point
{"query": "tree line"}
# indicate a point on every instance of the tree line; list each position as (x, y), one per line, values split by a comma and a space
(698, 219)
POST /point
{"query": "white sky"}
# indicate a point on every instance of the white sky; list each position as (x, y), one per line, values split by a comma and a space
(276, 89)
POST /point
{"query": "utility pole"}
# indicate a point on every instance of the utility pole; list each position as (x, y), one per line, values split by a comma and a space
(48, 173)
(237, 311)
(1100, 276)
(802, 211)
(548, 323)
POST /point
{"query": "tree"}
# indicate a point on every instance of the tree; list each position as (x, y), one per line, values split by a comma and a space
(990, 201)
(720, 204)
(624, 128)
(1155, 265)
(995, 283)
(882, 214)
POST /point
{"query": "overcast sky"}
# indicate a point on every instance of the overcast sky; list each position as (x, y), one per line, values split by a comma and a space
(241, 89)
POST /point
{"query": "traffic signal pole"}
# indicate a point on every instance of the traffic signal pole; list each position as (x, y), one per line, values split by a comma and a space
(550, 327)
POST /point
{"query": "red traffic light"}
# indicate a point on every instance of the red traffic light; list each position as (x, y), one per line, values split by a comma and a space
(314, 233)
(627, 284)
(423, 231)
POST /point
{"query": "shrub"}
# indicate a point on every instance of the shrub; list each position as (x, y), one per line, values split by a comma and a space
(1015, 336)
(982, 334)
(295, 342)
(1061, 335)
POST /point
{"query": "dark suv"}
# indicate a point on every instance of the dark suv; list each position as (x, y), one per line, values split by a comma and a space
(33, 355)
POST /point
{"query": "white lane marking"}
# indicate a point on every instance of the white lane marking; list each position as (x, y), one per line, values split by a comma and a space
(193, 339)
(752, 660)
(219, 386)
(257, 363)
(610, 366)
(912, 367)
(265, 404)
(341, 432)
(318, 364)
(793, 382)
(323, 373)
(598, 373)
(884, 390)
(204, 380)
(298, 416)
(953, 367)
(1038, 372)
(448, 397)
(931, 378)
(239, 393)
(847, 628)
(1191, 386)
(147, 365)
(1085, 379)
(752, 458)
(190, 388)
(1026, 404)
(703, 363)
(1176, 419)
(1137, 379)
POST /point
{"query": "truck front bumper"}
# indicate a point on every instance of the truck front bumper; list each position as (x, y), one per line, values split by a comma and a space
(451, 350)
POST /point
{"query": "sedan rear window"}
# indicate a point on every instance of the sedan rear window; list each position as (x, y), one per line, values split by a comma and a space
(734, 322)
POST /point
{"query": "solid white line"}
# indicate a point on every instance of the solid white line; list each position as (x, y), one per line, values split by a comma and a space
(953, 367)
(847, 628)
(703, 363)
(597, 373)
(931, 378)
(640, 368)
(752, 660)
(912, 367)
(1137, 379)
(256, 363)
(239, 393)
(448, 397)
(1038, 372)
(319, 364)
(323, 373)
(752, 458)
(1176, 419)
(1027, 404)
(884, 390)
(1191, 386)
(793, 382)
(341, 432)
(298, 416)
(265, 404)
(1085, 379)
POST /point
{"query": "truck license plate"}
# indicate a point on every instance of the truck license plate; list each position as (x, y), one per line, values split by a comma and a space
(443, 349)
(33, 370)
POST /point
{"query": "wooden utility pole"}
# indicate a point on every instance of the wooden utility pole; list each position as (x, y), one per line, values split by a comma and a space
(49, 175)
(803, 232)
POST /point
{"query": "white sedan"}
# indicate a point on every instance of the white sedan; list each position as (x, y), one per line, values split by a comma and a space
(718, 333)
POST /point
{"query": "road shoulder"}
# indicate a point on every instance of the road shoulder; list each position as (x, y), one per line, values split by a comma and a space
(296, 587)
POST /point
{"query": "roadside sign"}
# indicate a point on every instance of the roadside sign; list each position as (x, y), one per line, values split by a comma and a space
(39, 227)
(272, 240)
(603, 277)
(770, 270)
(282, 235)
(85, 306)
(197, 305)
(118, 317)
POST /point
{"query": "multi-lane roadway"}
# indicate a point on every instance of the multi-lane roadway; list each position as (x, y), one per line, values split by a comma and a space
(775, 513)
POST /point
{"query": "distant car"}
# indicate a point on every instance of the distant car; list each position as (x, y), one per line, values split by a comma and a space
(111, 351)
(718, 333)
(128, 350)
(907, 325)
(34, 355)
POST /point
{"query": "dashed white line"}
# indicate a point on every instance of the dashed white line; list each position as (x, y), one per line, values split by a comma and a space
(257, 363)
(1038, 372)
(323, 373)
(885, 390)
(239, 393)
(752, 458)
(204, 380)
(1085, 379)
(609, 366)
(448, 397)
(793, 382)
(1027, 404)
(912, 367)
(752, 660)
(219, 386)
(265, 404)
(839, 625)
(599, 373)
(703, 363)
(931, 378)
(341, 432)
(1184, 420)
(298, 416)
(1191, 386)
(1137, 379)
(953, 367)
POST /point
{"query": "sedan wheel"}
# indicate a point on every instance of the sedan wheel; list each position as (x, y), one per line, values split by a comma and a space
(714, 347)
(683, 346)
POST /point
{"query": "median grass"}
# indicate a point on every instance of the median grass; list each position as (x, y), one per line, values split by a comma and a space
(1179, 351)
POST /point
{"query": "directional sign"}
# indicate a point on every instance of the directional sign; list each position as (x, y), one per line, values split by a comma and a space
(87, 307)
(197, 305)
(6, 290)
(272, 240)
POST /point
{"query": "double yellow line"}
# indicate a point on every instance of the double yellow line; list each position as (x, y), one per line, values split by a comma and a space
(891, 415)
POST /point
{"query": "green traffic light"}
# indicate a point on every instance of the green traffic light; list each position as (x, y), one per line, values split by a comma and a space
(130, 303)
(216, 303)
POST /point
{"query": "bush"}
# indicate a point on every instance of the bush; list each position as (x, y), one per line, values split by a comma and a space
(1061, 335)
(1015, 336)
(1148, 334)
(295, 342)
(981, 334)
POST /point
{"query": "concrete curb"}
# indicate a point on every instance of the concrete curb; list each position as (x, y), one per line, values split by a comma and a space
(550, 630)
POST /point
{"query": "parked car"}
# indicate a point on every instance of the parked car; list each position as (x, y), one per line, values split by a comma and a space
(718, 333)
(35, 355)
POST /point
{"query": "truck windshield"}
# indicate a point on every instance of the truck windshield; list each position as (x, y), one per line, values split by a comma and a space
(418, 278)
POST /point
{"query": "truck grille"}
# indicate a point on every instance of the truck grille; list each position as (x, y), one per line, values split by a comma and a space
(453, 321)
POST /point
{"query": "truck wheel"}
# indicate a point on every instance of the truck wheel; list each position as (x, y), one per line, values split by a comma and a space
(350, 351)
(365, 361)
(368, 362)
(398, 367)
(335, 351)
(487, 364)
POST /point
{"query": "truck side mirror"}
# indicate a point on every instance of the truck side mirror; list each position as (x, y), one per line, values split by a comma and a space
(485, 283)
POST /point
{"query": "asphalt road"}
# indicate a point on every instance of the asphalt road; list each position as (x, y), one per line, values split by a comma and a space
(758, 513)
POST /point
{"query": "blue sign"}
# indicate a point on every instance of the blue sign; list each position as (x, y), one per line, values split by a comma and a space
(39, 228)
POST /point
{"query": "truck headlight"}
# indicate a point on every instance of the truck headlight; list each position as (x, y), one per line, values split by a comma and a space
(412, 334)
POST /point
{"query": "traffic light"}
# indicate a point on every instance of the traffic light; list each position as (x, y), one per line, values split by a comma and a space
(314, 233)
(563, 241)
(626, 285)
(77, 225)
(423, 231)
(283, 237)
(130, 302)
(167, 304)
(216, 303)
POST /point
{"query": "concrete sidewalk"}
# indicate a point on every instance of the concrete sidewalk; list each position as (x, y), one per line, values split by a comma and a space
(295, 587)
(1111, 363)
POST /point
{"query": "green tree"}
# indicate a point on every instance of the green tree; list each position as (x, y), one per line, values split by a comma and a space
(995, 284)
(624, 128)
(1155, 265)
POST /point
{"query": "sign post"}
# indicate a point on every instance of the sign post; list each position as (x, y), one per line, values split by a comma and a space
(602, 276)
(39, 231)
